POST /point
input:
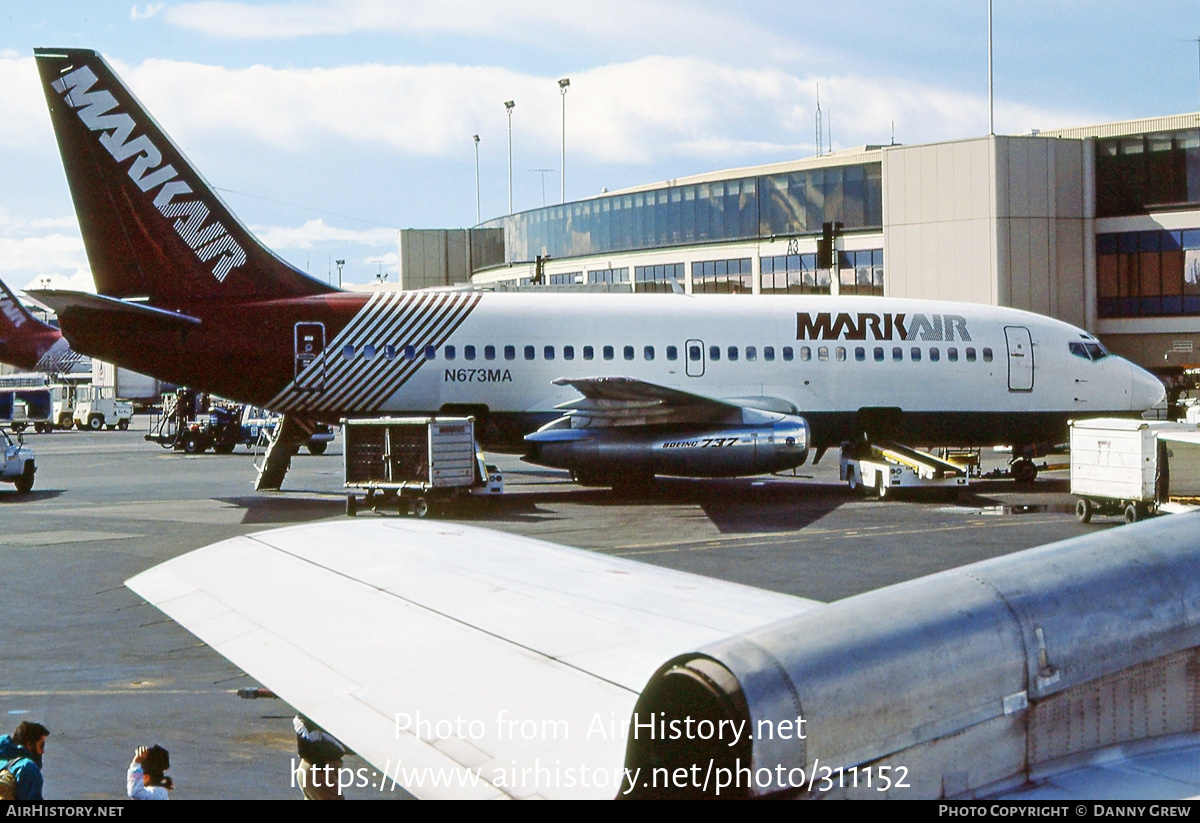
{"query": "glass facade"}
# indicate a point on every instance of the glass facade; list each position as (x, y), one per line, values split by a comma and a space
(1144, 172)
(1148, 273)
(658, 278)
(792, 274)
(722, 276)
(861, 272)
(777, 205)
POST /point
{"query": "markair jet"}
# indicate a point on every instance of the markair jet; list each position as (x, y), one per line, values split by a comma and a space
(607, 386)
(28, 343)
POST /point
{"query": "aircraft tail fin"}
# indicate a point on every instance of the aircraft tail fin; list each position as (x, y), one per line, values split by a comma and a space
(153, 228)
(25, 341)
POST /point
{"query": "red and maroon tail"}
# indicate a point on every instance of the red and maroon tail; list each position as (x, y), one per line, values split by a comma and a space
(152, 227)
(28, 343)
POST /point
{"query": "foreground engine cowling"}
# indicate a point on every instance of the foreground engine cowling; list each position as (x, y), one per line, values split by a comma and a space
(604, 454)
(963, 683)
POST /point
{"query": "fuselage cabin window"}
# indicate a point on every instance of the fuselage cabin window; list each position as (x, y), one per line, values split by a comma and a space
(589, 353)
(469, 352)
(608, 352)
(510, 353)
(449, 353)
(489, 352)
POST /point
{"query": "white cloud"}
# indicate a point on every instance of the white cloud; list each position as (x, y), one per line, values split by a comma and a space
(26, 122)
(148, 10)
(79, 280)
(660, 25)
(42, 254)
(633, 112)
(318, 232)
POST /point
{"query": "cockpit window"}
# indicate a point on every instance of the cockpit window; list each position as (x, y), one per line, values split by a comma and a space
(1088, 350)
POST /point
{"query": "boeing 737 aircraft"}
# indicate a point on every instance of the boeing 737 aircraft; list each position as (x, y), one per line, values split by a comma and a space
(603, 385)
(28, 343)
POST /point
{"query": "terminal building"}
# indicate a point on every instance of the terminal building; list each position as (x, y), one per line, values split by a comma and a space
(1098, 226)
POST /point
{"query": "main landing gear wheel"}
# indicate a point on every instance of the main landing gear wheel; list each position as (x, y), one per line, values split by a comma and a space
(1083, 510)
(1024, 470)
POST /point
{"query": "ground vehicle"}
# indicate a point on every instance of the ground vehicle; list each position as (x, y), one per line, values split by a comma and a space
(18, 466)
(255, 420)
(410, 463)
(96, 407)
(884, 467)
(1133, 467)
(23, 407)
(193, 422)
(139, 389)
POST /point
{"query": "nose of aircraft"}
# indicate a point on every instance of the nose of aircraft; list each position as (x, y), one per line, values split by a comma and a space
(1146, 390)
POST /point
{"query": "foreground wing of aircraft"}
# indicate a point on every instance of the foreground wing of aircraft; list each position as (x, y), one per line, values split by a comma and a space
(457, 661)
(462, 662)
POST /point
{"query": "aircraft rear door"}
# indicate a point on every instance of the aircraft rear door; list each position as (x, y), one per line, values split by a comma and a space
(1020, 358)
(310, 342)
(694, 354)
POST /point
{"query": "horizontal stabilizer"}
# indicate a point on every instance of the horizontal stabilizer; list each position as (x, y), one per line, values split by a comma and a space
(455, 655)
(63, 302)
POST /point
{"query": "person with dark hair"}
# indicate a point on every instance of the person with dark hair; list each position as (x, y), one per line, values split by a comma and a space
(320, 760)
(21, 756)
(145, 779)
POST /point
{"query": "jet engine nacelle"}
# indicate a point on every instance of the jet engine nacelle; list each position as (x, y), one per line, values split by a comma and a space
(716, 451)
(962, 683)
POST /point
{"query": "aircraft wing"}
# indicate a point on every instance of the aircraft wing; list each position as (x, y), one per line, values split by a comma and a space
(459, 662)
(623, 401)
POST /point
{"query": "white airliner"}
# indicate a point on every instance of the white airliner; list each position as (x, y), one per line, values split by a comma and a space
(612, 387)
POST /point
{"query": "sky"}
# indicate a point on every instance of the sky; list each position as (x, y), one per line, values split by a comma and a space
(327, 125)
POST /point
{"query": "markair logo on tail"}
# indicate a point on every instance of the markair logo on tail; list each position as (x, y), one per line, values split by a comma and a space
(10, 309)
(212, 242)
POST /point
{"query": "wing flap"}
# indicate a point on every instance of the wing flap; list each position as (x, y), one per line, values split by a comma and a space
(494, 654)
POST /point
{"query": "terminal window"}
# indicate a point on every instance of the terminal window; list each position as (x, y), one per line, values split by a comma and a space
(1148, 273)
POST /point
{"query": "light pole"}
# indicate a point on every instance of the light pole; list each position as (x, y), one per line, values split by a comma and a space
(563, 85)
(508, 107)
(476, 137)
(339, 264)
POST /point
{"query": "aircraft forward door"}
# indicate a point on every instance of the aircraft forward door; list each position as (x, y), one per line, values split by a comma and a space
(309, 343)
(694, 352)
(1020, 358)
